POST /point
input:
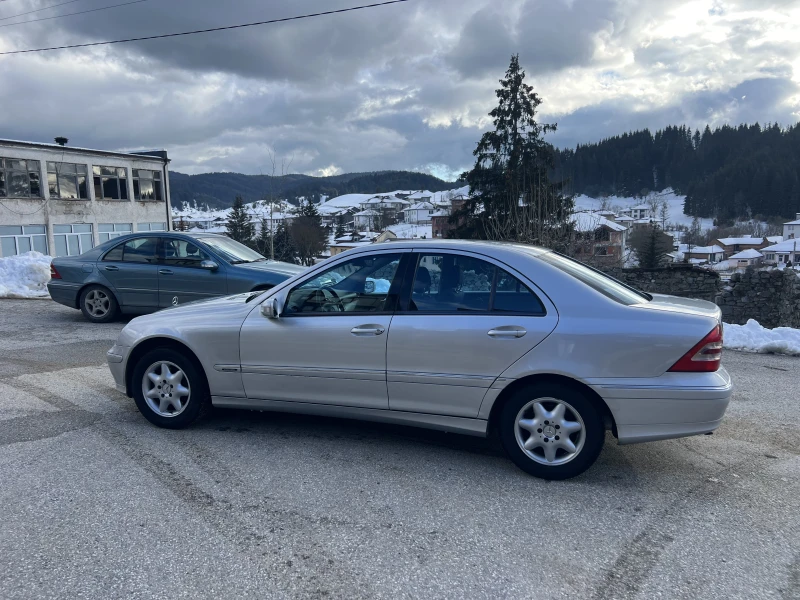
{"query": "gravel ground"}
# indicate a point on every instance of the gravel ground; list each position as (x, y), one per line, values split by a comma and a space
(99, 504)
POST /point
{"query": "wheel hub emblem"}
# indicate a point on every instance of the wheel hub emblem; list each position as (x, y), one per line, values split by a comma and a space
(174, 301)
(549, 431)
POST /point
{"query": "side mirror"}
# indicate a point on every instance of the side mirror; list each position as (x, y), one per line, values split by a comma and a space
(270, 309)
(209, 264)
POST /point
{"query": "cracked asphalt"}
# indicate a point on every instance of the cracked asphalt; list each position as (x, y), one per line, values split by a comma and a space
(97, 503)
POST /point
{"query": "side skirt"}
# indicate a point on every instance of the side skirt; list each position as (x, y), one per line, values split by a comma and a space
(476, 427)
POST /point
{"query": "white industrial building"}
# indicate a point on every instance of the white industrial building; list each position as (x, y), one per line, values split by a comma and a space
(62, 201)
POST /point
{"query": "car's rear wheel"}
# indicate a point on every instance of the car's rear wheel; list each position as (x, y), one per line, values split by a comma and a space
(98, 304)
(551, 431)
(169, 389)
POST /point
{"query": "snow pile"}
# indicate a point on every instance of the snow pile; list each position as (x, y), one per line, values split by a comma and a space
(25, 276)
(752, 337)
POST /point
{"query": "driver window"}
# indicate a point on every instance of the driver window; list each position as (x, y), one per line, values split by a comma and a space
(359, 285)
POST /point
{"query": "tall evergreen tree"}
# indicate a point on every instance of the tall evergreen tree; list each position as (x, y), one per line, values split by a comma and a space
(239, 226)
(308, 235)
(284, 247)
(511, 194)
(263, 242)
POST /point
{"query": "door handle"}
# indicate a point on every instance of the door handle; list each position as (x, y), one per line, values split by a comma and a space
(165, 272)
(508, 331)
(112, 268)
(367, 330)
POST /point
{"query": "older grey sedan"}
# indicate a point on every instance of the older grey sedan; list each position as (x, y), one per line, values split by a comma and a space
(469, 337)
(142, 273)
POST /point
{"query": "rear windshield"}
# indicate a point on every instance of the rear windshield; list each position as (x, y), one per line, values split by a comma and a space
(597, 280)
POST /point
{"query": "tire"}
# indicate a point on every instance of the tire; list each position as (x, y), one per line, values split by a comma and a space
(533, 413)
(159, 408)
(98, 304)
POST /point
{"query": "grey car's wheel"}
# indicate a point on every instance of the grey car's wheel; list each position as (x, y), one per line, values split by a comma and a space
(170, 390)
(98, 304)
(551, 431)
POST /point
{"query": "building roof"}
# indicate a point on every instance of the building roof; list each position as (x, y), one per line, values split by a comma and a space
(749, 253)
(795, 222)
(420, 194)
(625, 218)
(640, 207)
(155, 155)
(421, 206)
(745, 239)
(585, 221)
(774, 239)
(785, 246)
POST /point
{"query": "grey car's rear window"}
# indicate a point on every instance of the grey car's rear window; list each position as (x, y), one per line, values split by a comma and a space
(597, 280)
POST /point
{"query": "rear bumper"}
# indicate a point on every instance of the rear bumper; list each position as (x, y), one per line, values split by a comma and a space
(64, 292)
(674, 405)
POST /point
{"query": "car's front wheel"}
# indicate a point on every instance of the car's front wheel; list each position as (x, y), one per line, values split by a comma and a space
(98, 304)
(170, 390)
(551, 431)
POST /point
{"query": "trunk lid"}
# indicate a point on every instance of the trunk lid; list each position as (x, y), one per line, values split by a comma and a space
(690, 306)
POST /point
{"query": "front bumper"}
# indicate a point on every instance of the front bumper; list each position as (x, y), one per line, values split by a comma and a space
(117, 359)
(674, 405)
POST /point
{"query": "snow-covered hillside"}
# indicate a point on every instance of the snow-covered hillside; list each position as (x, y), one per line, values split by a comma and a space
(618, 204)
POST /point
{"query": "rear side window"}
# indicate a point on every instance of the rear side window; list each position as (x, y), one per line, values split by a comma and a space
(139, 250)
(598, 281)
(452, 283)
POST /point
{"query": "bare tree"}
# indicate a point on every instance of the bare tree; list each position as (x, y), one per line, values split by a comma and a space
(271, 195)
(663, 213)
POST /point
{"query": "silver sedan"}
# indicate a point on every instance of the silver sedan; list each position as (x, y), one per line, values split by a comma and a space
(470, 337)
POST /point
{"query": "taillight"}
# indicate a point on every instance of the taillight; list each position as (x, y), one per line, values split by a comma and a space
(704, 357)
(53, 273)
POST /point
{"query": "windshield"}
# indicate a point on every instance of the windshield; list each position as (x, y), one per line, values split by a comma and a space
(231, 250)
(597, 280)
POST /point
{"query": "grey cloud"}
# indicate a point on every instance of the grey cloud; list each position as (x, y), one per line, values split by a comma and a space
(400, 87)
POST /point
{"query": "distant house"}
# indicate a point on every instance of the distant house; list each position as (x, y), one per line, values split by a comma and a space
(734, 245)
(440, 220)
(791, 230)
(702, 254)
(366, 219)
(598, 238)
(745, 258)
(640, 211)
(419, 213)
(782, 253)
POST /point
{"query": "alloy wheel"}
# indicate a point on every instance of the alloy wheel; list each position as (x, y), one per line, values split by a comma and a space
(549, 431)
(97, 303)
(166, 389)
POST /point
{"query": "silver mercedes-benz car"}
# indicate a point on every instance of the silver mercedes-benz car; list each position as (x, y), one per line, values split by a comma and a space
(470, 337)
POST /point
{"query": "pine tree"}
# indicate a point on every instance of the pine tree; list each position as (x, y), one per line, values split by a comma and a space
(651, 246)
(239, 226)
(308, 235)
(339, 232)
(511, 195)
(263, 243)
(284, 247)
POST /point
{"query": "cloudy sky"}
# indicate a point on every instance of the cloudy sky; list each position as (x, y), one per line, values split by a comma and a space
(406, 86)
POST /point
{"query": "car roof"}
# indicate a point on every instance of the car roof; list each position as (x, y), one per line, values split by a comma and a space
(480, 246)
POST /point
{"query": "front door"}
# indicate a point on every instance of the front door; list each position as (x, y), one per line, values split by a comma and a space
(329, 344)
(181, 279)
(462, 321)
(132, 270)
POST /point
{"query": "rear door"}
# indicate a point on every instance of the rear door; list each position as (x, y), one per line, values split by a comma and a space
(132, 270)
(181, 279)
(463, 320)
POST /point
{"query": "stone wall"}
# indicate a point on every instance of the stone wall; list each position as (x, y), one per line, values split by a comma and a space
(770, 297)
(680, 280)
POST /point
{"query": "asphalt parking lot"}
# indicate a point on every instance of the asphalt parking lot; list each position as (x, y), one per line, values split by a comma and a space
(97, 503)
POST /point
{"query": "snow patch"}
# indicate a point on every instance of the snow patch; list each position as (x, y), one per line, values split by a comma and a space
(25, 275)
(752, 337)
(619, 203)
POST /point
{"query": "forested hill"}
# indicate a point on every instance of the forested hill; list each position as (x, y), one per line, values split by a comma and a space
(727, 172)
(219, 190)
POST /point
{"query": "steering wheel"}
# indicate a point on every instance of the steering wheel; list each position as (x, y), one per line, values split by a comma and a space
(323, 301)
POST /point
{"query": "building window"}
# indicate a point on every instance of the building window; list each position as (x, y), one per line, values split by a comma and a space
(19, 178)
(147, 185)
(601, 251)
(151, 227)
(109, 231)
(67, 181)
(769, 256)
(110, 183)
(19, 239)
(71, 240)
